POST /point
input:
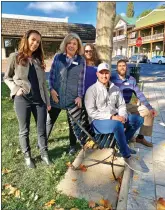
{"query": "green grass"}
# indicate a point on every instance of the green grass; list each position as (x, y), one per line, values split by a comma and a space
(42, 181)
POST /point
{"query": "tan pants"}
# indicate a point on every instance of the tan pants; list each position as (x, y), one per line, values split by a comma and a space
(146, 129)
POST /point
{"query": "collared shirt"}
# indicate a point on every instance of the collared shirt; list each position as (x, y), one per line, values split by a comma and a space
(128, 86)
(81, 82)
(102, 104)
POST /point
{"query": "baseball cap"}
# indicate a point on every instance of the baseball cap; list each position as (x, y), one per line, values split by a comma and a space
(102, 66)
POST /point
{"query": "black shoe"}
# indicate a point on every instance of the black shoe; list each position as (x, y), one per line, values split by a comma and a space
(28, 160)
(45, 158)
(72, 150)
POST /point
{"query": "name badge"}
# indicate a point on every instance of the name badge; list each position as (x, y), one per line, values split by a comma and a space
(126, 83)
(75, 63)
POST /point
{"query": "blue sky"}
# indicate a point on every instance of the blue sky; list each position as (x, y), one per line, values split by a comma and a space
(78, 12)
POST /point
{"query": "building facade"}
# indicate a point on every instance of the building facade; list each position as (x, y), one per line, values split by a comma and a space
(151, 28)
(120, 39)
(53, 31)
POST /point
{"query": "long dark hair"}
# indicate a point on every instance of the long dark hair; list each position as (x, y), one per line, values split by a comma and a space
(95, 58)
(23, 49)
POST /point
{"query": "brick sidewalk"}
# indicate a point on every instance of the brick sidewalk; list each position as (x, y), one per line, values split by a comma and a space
(145, 189)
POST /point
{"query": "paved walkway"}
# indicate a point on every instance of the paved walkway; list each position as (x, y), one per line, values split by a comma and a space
(146, 189)
(97, 182)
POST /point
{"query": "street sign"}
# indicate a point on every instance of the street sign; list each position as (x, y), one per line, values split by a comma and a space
(138, 41)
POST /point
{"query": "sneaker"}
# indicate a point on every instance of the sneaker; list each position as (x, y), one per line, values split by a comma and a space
(28, 160)
(72, 150)
(45, 158)
(134, 164)
(144, 142)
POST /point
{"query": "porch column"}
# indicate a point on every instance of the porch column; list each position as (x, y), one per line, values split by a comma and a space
(151, 49)
(152, 31)
(3, 48)
(164, 42)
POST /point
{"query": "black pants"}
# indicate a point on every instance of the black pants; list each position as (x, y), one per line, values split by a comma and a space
(23, 109)
(51, 119)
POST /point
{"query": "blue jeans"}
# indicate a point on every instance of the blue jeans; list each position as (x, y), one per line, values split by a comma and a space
(122, 137)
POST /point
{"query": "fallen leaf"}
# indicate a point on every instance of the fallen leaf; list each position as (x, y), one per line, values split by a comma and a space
(74, 180)
(17, 193)
(7, 186)
(12, 191)
(90, 143)
(99, 208)
(91, 204)
(105, 203)
(74, 209)
(50, 203)
(117, 188)
(59, 209)
(11, 188)
(161, 203)
(83, 168)
(135, 177)
(5, 171)
(163, 145)
(69, 164)
(135, 191)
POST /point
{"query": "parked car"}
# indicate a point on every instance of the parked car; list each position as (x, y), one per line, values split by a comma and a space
(119, 57)
(140, 57)
(158, 59)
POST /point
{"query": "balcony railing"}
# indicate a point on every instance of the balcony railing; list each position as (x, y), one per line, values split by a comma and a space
(147, 38)
(118, 38)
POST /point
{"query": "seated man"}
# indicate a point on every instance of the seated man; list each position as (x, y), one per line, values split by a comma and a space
(128, 86)
(107, 114)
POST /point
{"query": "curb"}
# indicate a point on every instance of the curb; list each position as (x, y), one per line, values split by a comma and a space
(123, 195)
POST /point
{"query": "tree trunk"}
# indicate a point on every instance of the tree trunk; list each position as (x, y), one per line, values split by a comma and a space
(106, 13)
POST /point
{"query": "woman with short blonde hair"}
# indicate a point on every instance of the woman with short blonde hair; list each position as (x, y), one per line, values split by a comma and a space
(66, 82)
(67, 39)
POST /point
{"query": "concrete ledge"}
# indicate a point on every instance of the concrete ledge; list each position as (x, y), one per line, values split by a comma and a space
(123, 195)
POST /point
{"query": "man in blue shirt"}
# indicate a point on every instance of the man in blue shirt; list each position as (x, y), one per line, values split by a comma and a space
(128, 86)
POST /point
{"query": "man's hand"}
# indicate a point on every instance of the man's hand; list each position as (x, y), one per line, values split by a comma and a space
(153, 112)
(78, 102)
(118, 118)
(19, 92)
(54, 95)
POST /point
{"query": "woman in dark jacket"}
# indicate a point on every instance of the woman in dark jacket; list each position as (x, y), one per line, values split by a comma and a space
(25, 76)
(66, 82)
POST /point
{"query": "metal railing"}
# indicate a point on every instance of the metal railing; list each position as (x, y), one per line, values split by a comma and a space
(147, 38)
(117, 38)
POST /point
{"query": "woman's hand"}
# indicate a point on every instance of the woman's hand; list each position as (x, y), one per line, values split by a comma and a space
(78, 102)
(48, 108)
(19, 92)
(54, 95)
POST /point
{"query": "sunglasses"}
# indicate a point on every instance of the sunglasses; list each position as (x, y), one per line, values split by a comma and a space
(88, 51)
